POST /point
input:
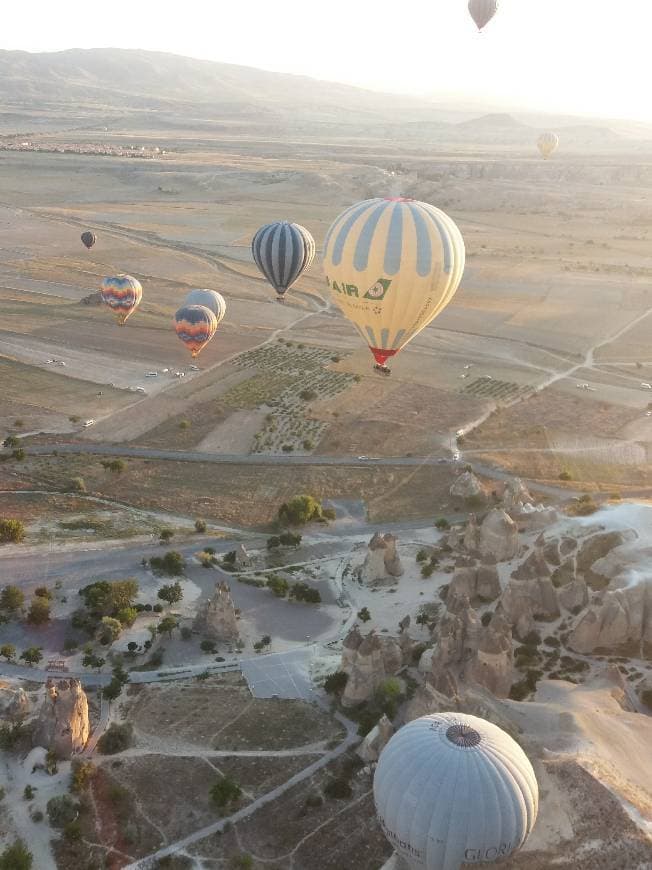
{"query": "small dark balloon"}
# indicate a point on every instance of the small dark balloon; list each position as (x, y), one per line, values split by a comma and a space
(283, 251)
(88, 239)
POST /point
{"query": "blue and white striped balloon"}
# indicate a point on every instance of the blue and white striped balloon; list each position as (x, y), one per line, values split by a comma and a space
(283, 251)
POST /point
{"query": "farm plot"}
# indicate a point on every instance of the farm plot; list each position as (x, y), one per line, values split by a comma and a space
(291, 376)
(499, 391)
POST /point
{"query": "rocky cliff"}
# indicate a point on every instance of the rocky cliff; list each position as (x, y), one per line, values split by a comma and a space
(62, 723)
(621, 623)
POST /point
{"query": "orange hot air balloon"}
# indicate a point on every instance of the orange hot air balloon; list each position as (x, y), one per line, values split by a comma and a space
(195, 325)
(122, 294)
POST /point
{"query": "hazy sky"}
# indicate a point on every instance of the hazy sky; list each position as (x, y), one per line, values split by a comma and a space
(582, 56)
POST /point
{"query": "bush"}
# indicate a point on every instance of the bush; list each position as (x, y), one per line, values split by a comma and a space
(364, 615)
(335, 683)
(208, 647)
(303, 592)
(39, 611)
(532, 638)
(278, 585)
(186, 633)
(11, 532)
(172, 564)
(308, 395)
(442, 524)
(552, 641)
(565, 475)
(62, 810)
(423, 556)
(116, 466)
(225, 791)
(76, 484)
(486, 618)
(116, 739)
(16, 857)
(273, 543)
(427, 570)
(200, 527)
(289, 539)
(299, 510)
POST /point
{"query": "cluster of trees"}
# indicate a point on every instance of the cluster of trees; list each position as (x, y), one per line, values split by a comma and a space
(285, 539)
(303, 509)
(172, 564)
(31, 656)
(109, 607)
(116, 466)
(16, 857)
(11, 531)
(265, 641)
(298, 591)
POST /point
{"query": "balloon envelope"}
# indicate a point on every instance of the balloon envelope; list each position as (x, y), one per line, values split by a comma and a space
(122, 294)
(452, 789)
(482, 11)
(548, 144)
(283, 251)
(392, 266)
(88, 239)
(209, 299)
(195, 325)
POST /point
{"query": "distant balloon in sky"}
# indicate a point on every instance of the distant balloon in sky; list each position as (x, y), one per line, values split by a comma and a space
(482, 11)
(88, 239)
(195, 325)
(283, 251)
(453, 789)
(122, 294)
(392, 266)
(548, 144)
(210, 299)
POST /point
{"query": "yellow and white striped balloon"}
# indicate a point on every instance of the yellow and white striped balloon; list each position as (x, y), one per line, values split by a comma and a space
(392, 266)
(548, 144)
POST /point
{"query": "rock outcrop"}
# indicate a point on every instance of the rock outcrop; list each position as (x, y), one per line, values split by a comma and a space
(594, 550)
(621, 624)
(466, 652)
(467, 486)
(476, 583)
(14, 703)
(499, 536)
(525, 601)
(472, 535)
(242, 558)
(382, 563)
(368, 661)
(62, 723)
(473, 700)
(376, 740)
(516, 495)
(573, 595)
(534, 567)
(216, 618)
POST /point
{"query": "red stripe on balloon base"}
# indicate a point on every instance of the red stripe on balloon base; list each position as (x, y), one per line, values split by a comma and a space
(381, 356)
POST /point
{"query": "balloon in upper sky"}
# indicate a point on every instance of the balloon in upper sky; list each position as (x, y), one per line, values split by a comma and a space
(482, 11)
(195, 325)
(210, 299)
(88, 239)
(453, 789)
(122, 294)
(392, 266)
(548, 144)
(282, 251)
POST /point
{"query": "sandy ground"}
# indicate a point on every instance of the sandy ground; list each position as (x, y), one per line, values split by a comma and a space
(235, 435)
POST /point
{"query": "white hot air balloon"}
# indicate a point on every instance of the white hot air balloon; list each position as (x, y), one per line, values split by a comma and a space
(210, 299)
(547, 144)
(453, 789)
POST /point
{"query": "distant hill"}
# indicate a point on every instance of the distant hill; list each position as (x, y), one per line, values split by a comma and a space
(496, 121)
(120, 80)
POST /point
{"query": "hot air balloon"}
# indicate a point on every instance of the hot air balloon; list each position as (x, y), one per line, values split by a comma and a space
(122, 294)
(195, 325)
(209, 299)
(482, 11)
(282, 251)
(548, 144)
(88, 239)
(392, 266)
(453, 789)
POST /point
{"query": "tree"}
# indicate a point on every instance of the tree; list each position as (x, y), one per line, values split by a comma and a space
(18, 454)
(565, 475)
(273, 543)
(266, 640)
(172, 564)
(11, 532)
(208, 647)
(16, 857)
(172, 593)
(43, 592)
(289, 539)
(11, 441)
(76, 484)
(303, 592)
(243, 861)
(8, 651)
(39, 611)
(442, 524)
(116, 466)
(109, 630)
(225, 791)
(299, 510)
(364, 615)
(82, 772)
(200, 527)
(116, 739)
(61, 810)
(11, 599)
(92, 661)
(278, 585)
(32, 655)
(423, 555)
(127, 616)
(109, 597)
(167, 625)
(166, 535)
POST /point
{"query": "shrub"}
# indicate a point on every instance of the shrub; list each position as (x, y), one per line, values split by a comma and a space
(273, 543)
(552, 641)
(335, 683)
(16, 857)
(278, 585)
(423, 555)
(76, 484)
(338, 789)
(11, 532)
(427, 570)
(116, 739)
(308, 395)
(299, 510)
(62, 810)
(364, 615)
(39, 611)
(442, 524)
(172, 564)
(116, 466)
(200, 527)
(486, 618)
(565, 475)
(225, 791)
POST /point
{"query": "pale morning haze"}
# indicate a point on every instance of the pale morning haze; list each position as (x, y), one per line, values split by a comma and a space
(578, 56)
(325, 435)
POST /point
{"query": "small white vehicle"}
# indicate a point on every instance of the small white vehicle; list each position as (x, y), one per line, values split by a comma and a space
(194, 368)
(62, 363)
(456, 456)
(648, 413)
(469, 366)
(165, 371)
(88, 423)
(363, 458)
(151, 374)
(646, 386)
(140, 389)
(459, 433)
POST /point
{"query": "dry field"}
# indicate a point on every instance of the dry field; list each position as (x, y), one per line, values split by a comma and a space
(246, 495)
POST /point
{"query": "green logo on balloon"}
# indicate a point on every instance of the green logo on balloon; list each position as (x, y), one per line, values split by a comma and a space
(378, 291)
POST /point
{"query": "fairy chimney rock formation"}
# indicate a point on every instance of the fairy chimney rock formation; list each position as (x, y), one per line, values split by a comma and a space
(216, 618)
(242, 557)
(499, 536)
(472, 535)
(382, 563)
(622, 624)
(516, 495)
(477, 583)
(376, 740)
(366, 670)
(14, 703)
(525, 601)
(467, 486)
(62, 723)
